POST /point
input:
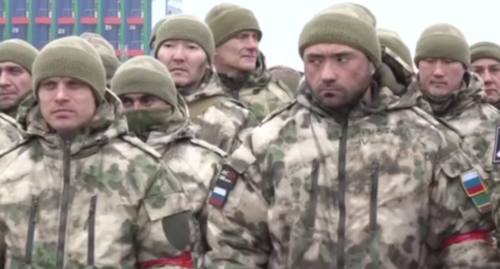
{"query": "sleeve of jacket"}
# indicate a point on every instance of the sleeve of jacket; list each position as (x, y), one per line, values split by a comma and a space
(237, 228)
(168, 234)
(245, 130)
(460, 212)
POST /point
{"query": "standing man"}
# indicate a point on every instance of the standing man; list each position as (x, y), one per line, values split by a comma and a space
(349, 175)
(455, 95)
(239, 62)
(485, 61)
(80, 193)
(184, 44)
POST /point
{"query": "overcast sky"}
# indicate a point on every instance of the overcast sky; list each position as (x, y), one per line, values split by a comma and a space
(282, 21)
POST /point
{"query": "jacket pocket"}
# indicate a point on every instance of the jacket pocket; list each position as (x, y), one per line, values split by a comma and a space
(31, 229)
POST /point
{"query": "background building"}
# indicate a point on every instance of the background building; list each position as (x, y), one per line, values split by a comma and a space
(126, 24)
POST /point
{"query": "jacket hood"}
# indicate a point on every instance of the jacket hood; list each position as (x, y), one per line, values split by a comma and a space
(210, 86)
(108, 122)
(470, 93)
(383, 100)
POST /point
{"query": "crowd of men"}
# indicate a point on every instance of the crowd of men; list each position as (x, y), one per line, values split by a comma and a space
(199, 156)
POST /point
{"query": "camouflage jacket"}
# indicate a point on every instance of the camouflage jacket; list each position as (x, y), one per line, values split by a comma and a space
(468, 111)
(225, 122)
(194, 161)
(378, 188)
(102, 200)
(10, 132)
(259, 91)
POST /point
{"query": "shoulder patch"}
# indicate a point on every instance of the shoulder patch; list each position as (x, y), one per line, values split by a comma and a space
(223, 185)
(278, 111)
(476, 190)
(206, 145)
(496, 149)
(136, 142)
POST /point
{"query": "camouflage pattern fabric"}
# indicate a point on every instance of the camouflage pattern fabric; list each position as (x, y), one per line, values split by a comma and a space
(468, 111)
(258, 91)
(194, 161)
(382, 189)
(289, 76)
(225, 123)
(102, 200)
(10, 132)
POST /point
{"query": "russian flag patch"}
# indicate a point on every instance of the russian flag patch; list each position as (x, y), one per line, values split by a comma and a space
(475, 189)
(223, 185)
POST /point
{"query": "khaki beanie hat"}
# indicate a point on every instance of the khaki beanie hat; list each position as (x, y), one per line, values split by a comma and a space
(18, 51)
(186, 27)
(106, 52)
(334, 26)
(152, 39)
(226, 20)
(394, 42)
(73, 57)
(442, 41)
(289, 76)
(145, 74)
(485, 50)
(355, 10)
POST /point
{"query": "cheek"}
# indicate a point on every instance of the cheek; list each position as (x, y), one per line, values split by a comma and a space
(164, 56)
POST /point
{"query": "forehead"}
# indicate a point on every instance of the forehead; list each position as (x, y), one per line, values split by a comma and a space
(4, 65)
(485, 62)
(329, 50)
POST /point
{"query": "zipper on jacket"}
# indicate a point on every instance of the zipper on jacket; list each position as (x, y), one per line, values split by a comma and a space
(91, 231)
(31, 229)
(65, 200)
(341, 196)
(374, 232)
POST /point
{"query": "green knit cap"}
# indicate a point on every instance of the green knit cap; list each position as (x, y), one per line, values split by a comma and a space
(485, 50)
(355, 10)
(145, 74)
(106, 52)
(19, 52)
(336, 26)
(186, 27)
(152, 39)
(394, 42)
(442, 41)
(227, 20)
(73, 57)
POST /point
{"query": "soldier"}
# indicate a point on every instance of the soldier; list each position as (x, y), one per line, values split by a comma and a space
(455, 95)
(155, 116)
(485, 61)
(107, 53)
(16, 58)
(184, 44)
(79, 192)
(349, 175)
(289, 76)
(239, 62)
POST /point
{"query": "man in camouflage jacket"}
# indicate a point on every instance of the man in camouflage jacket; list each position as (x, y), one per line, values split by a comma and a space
(78, 192)
(349, 175)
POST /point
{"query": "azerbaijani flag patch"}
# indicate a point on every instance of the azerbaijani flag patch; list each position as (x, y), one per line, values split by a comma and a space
(475, 189)
(223, 186)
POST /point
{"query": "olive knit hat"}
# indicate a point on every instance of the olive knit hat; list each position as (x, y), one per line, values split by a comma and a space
(356, 10)
(145, 74)
(18, 51)
(226, 20)
(341, 27)
(485, 50)
(73, 57)
(442, 40)
(394, 42)
(152, 39)
(186, 27)
(106, 52)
